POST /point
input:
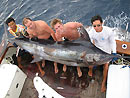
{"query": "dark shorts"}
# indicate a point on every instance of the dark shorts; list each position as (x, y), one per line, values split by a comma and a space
(50, 38)
(15, 45)
(21, 52)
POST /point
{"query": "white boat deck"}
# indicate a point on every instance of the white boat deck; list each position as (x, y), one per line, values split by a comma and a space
(118, 82)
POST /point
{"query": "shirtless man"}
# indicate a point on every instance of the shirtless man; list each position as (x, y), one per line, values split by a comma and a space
(41, 30)
(38, 29)
(68, 30)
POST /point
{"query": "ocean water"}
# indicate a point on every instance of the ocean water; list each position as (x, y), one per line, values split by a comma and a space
(116, 13)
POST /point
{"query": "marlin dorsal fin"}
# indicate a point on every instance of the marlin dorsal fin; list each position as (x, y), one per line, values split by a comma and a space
(84, 34)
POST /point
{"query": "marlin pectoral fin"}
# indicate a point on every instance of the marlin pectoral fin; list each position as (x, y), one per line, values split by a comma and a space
(36, 59)
(83, 54)
(83, 57)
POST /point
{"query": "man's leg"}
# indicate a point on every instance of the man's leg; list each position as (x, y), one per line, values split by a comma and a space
(90, 72)
(39, 67)
(64, 68)
(18, 55)
(19, 61)
(79, 71)
(105, 71)
(56, 68)
(43, 63)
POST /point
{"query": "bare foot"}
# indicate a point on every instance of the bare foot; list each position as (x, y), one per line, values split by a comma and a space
(40, 69)
(56, 69)
(42, 73)
(64, 68)
(103, 88)
(20, 66)
(79, 71)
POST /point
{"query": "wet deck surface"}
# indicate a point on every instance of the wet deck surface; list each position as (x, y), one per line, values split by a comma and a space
(74, 87)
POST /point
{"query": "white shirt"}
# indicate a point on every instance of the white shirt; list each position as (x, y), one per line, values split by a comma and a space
(104, 40)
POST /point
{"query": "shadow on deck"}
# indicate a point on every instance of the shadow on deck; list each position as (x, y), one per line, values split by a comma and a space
(68, 84)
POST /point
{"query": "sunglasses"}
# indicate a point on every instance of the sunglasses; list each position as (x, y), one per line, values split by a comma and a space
(97, 25)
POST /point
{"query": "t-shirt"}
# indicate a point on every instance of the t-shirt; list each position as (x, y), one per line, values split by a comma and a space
(104, 40)
(19, 29)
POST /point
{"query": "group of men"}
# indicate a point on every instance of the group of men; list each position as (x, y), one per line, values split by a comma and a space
(101, 36)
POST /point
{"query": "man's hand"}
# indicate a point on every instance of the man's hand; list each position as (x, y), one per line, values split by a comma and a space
(34, 39)
(115, 58)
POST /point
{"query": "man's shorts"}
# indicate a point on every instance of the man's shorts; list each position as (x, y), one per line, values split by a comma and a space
(21, 52)
(50, 38)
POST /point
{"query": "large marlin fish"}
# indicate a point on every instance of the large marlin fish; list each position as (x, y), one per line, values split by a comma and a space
(80, 52)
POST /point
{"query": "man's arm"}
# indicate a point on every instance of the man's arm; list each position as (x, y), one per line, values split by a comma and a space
(12, 33)
(48, 30)
(30, 35)
(113, 42)
(76, 25)
(53, 35)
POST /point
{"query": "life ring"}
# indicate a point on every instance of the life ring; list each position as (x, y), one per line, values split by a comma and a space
(124, 46)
